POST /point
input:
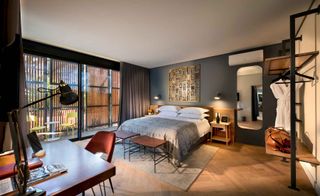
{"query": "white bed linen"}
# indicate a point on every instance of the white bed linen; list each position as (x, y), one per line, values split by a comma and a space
(181, 133)
(202, 124)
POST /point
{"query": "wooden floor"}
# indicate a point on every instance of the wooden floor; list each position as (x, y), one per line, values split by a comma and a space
(235, 170)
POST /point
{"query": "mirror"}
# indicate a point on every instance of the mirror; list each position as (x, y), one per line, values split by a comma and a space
(249, 97)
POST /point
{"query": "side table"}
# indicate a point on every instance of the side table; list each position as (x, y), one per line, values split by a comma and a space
(221, 132)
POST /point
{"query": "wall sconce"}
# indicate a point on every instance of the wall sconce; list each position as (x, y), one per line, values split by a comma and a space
(157, 97)
(218, 96)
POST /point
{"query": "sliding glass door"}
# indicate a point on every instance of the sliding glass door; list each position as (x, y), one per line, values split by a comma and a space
(49, 118)
(99, 95)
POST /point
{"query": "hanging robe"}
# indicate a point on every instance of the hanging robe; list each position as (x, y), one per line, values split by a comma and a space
(282, 93)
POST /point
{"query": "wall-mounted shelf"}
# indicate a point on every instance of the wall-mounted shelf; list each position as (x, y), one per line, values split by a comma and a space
(278, 65)
(303, 154)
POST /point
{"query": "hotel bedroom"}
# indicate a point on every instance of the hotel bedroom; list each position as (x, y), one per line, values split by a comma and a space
(160, 97)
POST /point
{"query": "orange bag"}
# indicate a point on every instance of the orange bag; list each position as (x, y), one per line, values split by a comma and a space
(277, 139)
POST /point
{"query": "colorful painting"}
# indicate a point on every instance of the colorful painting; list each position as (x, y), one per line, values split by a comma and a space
(184, 84)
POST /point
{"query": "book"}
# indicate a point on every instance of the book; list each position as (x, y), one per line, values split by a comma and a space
(6, 186)
(46, 171)
(56, 168)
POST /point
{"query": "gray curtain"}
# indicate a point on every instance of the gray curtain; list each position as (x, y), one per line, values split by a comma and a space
(11, 64)
(135, 91)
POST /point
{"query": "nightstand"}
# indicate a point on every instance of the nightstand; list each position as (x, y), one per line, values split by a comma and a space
(221, 132)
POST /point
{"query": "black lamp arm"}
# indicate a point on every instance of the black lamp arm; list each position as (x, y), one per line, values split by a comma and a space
(45, 98)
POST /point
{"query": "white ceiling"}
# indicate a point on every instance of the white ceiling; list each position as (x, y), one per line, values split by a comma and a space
(153, 33)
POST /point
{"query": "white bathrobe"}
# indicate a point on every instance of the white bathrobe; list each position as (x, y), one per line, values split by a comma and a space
(282, 93)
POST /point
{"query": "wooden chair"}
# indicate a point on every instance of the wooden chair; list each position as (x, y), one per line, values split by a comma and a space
(71, 120)
(104, 142)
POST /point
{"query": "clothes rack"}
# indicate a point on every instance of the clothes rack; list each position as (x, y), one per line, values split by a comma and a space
(293, 184)
(284, 66)
(286, 77)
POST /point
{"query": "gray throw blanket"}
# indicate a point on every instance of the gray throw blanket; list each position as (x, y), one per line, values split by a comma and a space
(181, 135)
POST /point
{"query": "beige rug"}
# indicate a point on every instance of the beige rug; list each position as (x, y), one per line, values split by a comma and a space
(181, 177)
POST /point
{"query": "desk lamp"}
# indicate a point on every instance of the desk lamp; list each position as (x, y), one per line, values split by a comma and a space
(67, 97)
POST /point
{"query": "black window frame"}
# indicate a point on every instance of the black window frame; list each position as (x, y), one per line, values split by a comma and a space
(46, 50)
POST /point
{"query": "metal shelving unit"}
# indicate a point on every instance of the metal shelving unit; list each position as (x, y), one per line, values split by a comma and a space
(290, 65)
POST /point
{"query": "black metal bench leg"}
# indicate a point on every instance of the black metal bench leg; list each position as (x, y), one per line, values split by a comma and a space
(124, 149)
(129, 151)
(154, 160)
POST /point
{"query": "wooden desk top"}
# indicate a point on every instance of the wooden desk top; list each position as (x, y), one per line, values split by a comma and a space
(84, 169)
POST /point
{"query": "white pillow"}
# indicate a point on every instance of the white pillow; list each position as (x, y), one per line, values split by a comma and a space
(193, 110)
(169, 108)
(193, 116)
(168, 113)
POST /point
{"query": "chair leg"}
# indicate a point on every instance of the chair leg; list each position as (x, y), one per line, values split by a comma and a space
(93, 191)
(104, 188)
(111, 185)
(100, 189)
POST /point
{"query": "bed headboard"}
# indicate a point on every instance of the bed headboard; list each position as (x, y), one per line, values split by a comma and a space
(211, 116)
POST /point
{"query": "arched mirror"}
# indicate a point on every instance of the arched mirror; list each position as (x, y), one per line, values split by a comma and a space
(249, 97)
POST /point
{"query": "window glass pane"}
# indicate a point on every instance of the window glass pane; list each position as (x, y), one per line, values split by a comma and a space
(36, 77)
(100, 94)
(115, 79)
(96, 100)
(64, 117)
(115, 97)
(49, 118)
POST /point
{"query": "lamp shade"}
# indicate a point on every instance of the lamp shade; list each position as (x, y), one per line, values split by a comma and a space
(157, 97)
(67, 96)
(218, 96)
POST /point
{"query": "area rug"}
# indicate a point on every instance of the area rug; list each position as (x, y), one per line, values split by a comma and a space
(181, 177)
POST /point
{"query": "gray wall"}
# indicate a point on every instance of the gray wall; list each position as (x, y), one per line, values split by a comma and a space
(214, 78)
(218, 76)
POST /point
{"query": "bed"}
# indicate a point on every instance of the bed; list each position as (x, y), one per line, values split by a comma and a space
(182, 134)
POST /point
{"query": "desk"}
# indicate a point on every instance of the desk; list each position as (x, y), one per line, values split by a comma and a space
(84, 169)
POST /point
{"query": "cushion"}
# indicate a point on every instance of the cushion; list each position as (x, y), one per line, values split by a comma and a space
(172, 108)
(193, 116)
(168, 113)
(193, 110)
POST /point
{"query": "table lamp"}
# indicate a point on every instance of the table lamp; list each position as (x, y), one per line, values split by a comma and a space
(67, 97)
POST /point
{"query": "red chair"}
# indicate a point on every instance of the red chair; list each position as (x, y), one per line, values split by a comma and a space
(104, 142)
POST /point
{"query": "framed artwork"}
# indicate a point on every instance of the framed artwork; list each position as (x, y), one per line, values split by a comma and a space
(184, 84)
